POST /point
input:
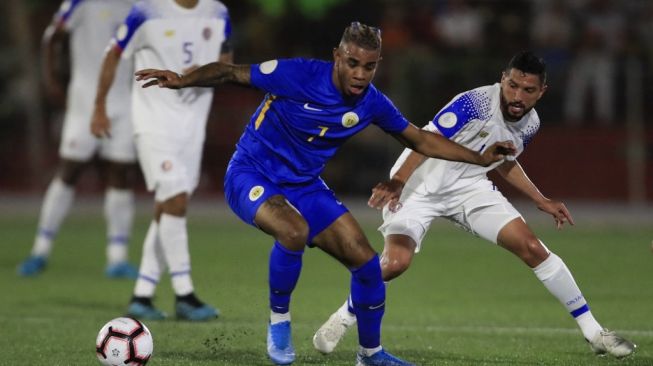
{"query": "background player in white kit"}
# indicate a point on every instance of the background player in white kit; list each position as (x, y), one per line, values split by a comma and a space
(169, 126)
(90, 25)
(422, 189)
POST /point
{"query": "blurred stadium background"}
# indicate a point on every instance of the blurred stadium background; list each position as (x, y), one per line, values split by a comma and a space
(595, 143)
(596, 154)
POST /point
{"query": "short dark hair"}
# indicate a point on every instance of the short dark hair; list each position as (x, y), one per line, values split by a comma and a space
(362, 35)
(528, 62)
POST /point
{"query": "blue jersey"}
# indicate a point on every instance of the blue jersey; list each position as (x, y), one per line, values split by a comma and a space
(304, 119)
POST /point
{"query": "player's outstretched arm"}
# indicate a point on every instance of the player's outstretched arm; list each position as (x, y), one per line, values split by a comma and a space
(388, 192)
(209, 75)
(514, 174)
(437, 146)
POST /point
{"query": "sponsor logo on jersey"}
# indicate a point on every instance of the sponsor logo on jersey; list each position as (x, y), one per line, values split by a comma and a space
(122, 32)
(308, 107)
(206, 33)
(256, 192)
(447, 120)
(166, 166)
(483, 134)
(350, 119)
(268, 66)
(169, 33)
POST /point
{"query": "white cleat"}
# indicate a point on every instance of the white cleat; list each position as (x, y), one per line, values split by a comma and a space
(331, 332)
(609, 342)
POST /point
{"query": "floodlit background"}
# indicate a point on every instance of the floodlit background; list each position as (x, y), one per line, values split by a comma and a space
(595, 143)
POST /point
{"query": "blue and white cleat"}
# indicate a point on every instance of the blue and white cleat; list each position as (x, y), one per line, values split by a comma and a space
(121, 270)
(190, 312)
(280, 348)
(32, 266)
(145, 312)
(381, 358)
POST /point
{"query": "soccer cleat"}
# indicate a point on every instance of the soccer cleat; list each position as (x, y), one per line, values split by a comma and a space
(381, 358)
(280, 348)
(121, 270)
(610, 342)
(330, 333)
(187, 311)
(145, 312)
(32, 266)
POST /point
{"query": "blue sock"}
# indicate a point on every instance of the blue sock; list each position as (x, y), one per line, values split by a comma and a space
(285, 266)
(368, 298)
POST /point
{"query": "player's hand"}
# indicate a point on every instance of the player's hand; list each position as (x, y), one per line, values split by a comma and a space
(497, 152)
(162, 78)
(558, 210)
(387, 192)
(100, 124)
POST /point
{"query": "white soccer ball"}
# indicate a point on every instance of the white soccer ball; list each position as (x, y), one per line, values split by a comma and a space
(124, 341)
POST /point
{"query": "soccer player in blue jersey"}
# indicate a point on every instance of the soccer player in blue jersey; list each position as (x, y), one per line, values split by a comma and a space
(311, 108)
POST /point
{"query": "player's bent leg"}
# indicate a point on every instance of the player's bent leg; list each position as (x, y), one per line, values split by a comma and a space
(279, 219)
(397, 255)
(556, 277)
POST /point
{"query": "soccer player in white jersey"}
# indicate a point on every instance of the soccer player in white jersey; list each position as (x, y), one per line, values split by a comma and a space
(169, 127)
(422, 189)
(90, 24)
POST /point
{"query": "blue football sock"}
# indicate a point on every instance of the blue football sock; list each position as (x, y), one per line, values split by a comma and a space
(285, 266)
(368, 298)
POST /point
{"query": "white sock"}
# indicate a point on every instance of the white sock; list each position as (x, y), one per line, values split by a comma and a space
(367, 352)
(279, 317)
(56, 204)
(556, 277)
(152, 263)
(119, 214)
(174, 241)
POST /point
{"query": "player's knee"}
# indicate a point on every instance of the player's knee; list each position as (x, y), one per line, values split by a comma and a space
(533, 252)
(394, 265)
(293, 235)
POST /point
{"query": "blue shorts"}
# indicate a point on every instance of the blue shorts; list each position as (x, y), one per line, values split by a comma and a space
(246, 189)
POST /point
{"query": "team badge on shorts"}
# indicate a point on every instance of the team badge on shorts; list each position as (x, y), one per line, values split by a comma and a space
(350, 119)
(166, 165)
(256, 192)
(206, 33)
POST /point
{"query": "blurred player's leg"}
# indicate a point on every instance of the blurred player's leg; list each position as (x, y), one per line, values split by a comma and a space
(152, 265)
(119, 214)
(56, 205)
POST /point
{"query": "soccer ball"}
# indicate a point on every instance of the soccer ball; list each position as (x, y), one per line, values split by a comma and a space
(124, 341)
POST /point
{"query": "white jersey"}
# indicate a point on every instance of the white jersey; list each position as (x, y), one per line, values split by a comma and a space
(161, 34)
(92, 24)
(472, 119)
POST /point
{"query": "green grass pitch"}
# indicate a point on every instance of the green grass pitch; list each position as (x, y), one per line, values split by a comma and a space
(463, 302)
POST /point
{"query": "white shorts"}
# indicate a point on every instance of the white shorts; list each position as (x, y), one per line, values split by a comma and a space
(169, 167)
(481, 212)
(78, 144)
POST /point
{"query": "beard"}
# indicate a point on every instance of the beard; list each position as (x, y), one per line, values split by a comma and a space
(505, 110)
